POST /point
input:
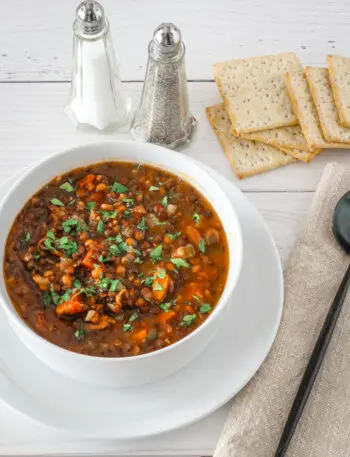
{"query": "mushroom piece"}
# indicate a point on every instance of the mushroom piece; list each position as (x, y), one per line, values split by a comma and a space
(171, 209)
(212, 236)
(116, 307)
(92, 316)
(185, 252)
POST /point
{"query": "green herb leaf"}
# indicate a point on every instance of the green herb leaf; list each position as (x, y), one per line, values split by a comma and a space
(54, 295)
(158, 286)
(47, 298)
(77, 284)
(120, 188)
(205, 308)
(156, 253)
(67, 186)
(37, 256)
(138, 260)
(88, 291)
(50, 235)
(104, 259)
(66, 295)
(126, 213)
(202, 246)
(127, 327)
(105, 283)
(148, 281)
(196, 298)
(165, 201)
(90, 205)
(79, 334)
(161, 273)
(196, 217)
(160, 223)
(118, 249)
(165, 306)
(133, 317)
(109, 214)
(129, 201)
(70, 224)
(153, 188)
(100, 226)
(68, 246)
(118, 238)
(140, 275)
(142, 225)
(173, 236)
(188, 320)
(55, 201)
(28, 237)
(50, 238)
(114, 285)
(180, 263)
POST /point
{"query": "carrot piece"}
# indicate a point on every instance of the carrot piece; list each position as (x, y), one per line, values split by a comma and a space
(160, 288)
(140, 336)
(193, 288)
(88, 260)
(71, 306)
(88, 179)
(193, 235)
(165, 317)
(97, 196)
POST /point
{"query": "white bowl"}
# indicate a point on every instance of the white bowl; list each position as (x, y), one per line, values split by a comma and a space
(140, 369)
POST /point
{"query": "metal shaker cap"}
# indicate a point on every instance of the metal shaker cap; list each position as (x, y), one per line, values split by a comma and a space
(166, 40)
(90, 18)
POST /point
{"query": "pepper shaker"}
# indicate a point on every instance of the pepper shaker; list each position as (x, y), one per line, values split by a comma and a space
(96, 97)
(163, 116)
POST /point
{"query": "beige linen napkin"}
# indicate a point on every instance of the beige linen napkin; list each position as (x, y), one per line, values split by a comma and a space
(259, 412)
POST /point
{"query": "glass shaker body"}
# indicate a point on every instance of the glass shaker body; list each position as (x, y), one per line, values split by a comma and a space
(163, 116)
(96, 98)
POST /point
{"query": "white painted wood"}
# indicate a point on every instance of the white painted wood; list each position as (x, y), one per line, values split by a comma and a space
(36, 35)
(33, 125)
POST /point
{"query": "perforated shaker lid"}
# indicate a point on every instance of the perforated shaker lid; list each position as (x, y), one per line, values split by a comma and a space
(167, 39)
(90, 18)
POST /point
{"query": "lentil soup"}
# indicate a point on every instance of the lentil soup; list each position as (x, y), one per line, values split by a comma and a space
(116, 259)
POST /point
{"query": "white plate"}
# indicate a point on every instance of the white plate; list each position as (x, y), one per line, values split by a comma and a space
(218, 374)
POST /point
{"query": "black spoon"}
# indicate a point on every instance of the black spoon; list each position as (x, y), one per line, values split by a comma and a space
(341, 231)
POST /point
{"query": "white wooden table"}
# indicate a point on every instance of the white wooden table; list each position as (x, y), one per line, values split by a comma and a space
(35, 61)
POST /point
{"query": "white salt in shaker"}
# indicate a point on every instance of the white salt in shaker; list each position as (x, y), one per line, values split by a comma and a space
(96, 98)
(164, 116)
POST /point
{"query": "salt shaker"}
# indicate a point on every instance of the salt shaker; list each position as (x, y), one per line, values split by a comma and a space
(163, 116)
(96, 98)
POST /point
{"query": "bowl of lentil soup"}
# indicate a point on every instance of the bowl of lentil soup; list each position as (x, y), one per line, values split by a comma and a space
(119, 260)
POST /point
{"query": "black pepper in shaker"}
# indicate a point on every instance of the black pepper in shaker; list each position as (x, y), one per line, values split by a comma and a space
(163, 116)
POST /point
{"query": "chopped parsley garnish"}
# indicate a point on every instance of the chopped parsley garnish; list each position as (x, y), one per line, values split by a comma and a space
(153, 188)
(205, 308)
(148, 281)
(127, 327)
(180, 263)
(109, 214)
(90, 205)
(165, 306)
(133, 317)
(138, 260)
(202, 246)
(71, 224)
(66, 295)
(161, 273)
(54, 295)
(126, 213)
(118, 249)
(140, 275)
(158, 286)
(114, 285)
(88, 291)
(50, 239)
(165, 201)
(105, 283)
(188, 320)
(55, 201)
(142, 225)
(67, 186)
(79, 334)
(160, 223)
(100, 226)
(37, 256)
(120, 188)
(196, 298)
(77, 284)
(28, 237)
(196, 217)
(47, 298)
(118, 238)
(156, 254)
(104, 259)
(129, 201)
(68, 246)
(173, 236)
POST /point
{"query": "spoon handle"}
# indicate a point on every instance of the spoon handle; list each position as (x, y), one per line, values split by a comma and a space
(313, 366)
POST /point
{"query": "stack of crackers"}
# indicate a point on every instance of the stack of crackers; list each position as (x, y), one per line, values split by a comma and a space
(275, 112)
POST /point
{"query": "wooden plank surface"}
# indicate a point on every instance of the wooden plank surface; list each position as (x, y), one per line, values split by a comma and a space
(36, 35)
(33, 125)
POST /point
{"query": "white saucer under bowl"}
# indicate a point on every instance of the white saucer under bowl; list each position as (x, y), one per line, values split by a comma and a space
(215, 376)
